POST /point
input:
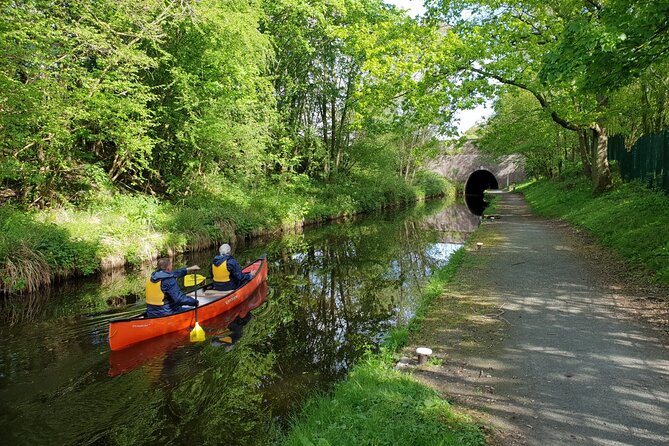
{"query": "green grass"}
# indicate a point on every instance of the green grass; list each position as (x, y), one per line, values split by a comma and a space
(631, 219)
(377, 405)
(398, 337)
(113, 230)
(493, 201)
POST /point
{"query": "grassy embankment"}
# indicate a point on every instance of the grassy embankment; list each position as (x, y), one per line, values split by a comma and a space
(631, 219)
(112, 229)
(379, 405)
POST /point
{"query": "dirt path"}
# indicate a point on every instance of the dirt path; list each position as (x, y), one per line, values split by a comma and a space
(542, 343)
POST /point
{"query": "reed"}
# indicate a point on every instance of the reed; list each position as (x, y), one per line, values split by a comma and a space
(25, 270)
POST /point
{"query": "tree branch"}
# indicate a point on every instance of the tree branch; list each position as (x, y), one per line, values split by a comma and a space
(542, 100)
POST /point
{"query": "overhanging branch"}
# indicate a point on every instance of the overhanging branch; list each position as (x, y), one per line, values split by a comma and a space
(542, 100)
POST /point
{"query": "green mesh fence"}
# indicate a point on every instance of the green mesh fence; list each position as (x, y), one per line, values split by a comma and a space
(647, 160)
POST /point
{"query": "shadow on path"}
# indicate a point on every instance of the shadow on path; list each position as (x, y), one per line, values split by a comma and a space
(574, 368)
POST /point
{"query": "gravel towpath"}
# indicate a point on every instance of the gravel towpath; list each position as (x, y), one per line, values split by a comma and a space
(567, 360)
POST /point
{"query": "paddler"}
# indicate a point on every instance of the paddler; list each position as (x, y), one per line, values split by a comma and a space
(163, 295)
(226, 272)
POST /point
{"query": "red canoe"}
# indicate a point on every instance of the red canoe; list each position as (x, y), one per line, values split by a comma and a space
(154, 351)
(126, 332)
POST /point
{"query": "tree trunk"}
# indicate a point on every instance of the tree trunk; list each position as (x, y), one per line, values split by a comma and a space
(333, 135)
(660, 115)
(324, 123)
(645, 110)
(585, 157)
(601, 173)
(400, 157)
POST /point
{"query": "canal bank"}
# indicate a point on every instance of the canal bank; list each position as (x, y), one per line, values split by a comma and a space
(541, 340)
(379, 404)
(38, 248)
(335, 292)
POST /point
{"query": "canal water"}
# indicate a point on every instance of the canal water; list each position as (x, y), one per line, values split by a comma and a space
(332, 293)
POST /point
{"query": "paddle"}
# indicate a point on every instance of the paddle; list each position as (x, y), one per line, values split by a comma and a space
(197, 333)
(194, 279)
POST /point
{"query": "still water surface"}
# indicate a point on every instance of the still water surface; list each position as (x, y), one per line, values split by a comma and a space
(332, 292)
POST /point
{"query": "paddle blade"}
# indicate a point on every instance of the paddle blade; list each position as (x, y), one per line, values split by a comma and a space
(193, 279)
(197, 333)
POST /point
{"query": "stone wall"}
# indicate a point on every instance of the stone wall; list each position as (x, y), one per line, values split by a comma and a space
(457, 164)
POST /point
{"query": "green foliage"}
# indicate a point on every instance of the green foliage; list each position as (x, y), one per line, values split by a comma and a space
(216, 105)
(521, 126)
(162, 98)
(347, 89)
(432, 184)
(642, 106)
(630, 219)
(146, 92)
(610, 45)
(71, 81)
(36, 247)
(572, 57)
(378, 405)
(33, 251)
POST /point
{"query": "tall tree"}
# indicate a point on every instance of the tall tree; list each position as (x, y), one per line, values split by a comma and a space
(72, 98)
(521, 125)
(508, 42)
(214, 106)
(340, 67)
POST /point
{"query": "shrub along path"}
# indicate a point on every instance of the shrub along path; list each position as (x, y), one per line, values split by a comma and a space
(542, 340)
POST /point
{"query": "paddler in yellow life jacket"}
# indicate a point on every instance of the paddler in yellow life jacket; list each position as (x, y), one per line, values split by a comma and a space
(163, 295)
(226, 272)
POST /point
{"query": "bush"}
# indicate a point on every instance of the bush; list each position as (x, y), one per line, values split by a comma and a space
(432, 184)
(34, 252)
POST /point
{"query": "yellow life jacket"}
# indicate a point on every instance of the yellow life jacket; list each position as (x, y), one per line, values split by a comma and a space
(154, 295)
(220, 272)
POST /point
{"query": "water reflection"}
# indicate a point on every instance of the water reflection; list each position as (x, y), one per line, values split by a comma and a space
(337, 290)
(453, 224)
(476, 203)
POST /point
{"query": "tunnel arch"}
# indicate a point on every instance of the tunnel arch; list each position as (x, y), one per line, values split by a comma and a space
(479, 181)
(476, 184)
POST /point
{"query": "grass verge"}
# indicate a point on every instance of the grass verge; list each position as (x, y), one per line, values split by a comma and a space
(377, 404)
(459, 322)
(631, 219)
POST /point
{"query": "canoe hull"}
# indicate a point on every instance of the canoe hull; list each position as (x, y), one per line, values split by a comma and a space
(154, 351)
(126, 332)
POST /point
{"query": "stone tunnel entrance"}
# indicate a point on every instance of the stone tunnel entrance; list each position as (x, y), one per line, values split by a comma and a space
(479, 181)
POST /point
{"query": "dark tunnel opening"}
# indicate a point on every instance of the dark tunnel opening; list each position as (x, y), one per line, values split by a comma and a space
(477, 183)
